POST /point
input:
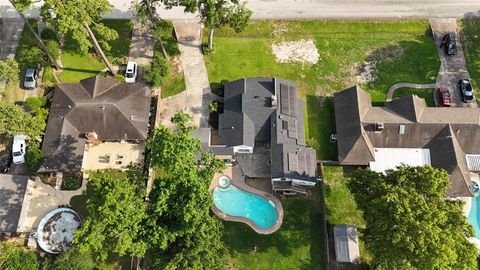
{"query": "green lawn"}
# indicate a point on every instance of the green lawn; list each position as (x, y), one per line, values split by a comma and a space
(426, 94)
(297, 245)
(402, 48)
(175, 82)
(470, 33)
(340, 204)
(78, 66)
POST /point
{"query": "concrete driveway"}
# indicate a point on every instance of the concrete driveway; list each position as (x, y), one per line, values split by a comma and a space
(453, 67)
(45, 198)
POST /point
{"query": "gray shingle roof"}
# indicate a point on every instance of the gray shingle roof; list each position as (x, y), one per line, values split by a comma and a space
(267, 109)
(112, 109)
(449, 133)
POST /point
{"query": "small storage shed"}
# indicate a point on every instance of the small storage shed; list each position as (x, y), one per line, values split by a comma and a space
(346, 243)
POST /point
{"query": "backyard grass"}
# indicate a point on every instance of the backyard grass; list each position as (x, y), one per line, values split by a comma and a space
(78, 66)
(297, 245)
(470, 37)
(402, 49)
(175, 82)
(426, 94)
(340, 204)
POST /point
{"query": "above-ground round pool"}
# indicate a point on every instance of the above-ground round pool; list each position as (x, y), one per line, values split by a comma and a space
(240, 203)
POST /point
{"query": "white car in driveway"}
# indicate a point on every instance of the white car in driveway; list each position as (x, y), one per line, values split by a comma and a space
(18, 149)
(131, 73)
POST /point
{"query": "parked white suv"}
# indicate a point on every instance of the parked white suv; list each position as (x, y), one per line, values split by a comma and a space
(18, 149)
(131, 73)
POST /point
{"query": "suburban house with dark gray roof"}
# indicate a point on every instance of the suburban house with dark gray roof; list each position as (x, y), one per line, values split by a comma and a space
(262, 128)
(103, 117)
(406, 131)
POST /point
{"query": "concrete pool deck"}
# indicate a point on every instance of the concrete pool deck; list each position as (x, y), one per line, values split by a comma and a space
(238, 180)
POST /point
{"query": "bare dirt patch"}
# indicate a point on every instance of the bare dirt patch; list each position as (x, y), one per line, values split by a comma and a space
(302, 51)
(367, 72)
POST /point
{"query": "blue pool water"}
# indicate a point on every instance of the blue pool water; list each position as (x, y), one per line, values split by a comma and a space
(239, 203)
(474, 216)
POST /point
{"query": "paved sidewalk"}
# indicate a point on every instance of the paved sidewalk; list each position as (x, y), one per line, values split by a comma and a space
(396, 86)
(10, 33)
(194, 100)
(452, 68)
(45, 198)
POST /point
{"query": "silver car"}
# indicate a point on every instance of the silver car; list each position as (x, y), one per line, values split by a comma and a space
(30, 81)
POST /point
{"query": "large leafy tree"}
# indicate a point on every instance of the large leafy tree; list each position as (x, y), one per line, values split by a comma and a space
(23, 5)
(213, 13)
(180, 224)
(410, 224)
(15, 258)
(15, 121)
(116, 212)
(81, 19)
(220, 13)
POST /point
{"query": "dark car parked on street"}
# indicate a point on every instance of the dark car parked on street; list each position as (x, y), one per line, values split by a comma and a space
(450, 44)
(466, 91)
(5, 162)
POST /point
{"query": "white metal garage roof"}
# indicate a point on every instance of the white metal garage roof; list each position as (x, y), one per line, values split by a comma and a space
(390, 158)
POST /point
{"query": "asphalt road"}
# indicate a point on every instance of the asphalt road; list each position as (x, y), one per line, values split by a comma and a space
(313, 9)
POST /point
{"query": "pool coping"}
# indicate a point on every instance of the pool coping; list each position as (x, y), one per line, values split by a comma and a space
(247, 188)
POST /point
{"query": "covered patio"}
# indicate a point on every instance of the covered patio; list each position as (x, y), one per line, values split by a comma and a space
(112, 155)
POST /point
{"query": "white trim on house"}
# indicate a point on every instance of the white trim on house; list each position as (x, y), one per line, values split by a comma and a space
(243, 149)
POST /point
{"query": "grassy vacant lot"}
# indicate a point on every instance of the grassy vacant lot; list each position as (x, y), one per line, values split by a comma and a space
(403, 50)
(79, 66)
(297, 245)
(470, 33)
(341, 206)
(175, 82)
(426, 94)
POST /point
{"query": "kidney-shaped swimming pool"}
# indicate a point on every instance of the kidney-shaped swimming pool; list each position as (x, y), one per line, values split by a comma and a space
(237, 202)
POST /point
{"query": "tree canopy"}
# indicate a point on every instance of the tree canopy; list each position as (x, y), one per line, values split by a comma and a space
(15, 258)
(14, 121)
(175, 225)
(9, 70)
(82, 20)
(410, 224)
(116, 211)
(181, 226)
(213, 13)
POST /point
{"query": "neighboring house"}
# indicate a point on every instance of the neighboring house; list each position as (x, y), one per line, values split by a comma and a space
(346, 244)
(406, 131)
(14, 202)
(95, 124)
(262, 128)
